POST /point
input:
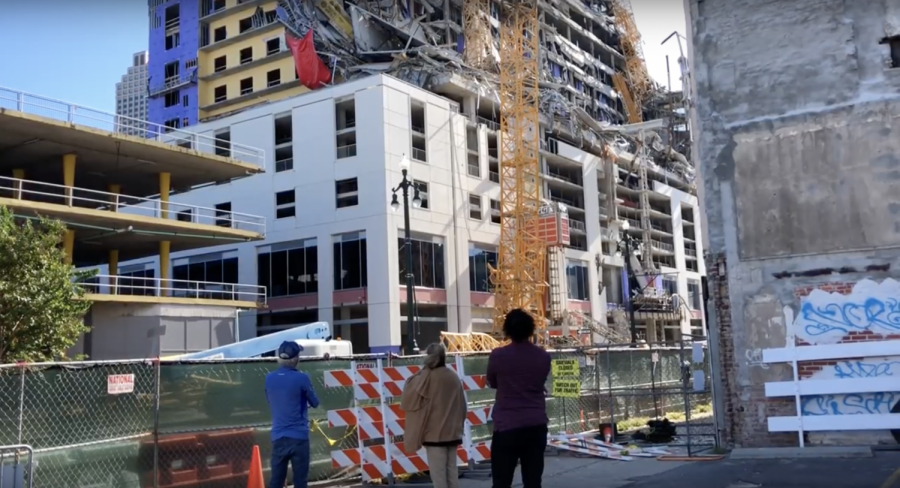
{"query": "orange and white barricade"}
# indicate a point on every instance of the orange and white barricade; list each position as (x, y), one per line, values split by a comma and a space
(386, 420)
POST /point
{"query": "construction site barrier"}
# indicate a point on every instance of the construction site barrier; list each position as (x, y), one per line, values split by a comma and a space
(384, 420)
(158, 423)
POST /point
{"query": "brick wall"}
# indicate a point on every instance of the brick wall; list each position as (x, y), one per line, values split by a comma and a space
(744, 425)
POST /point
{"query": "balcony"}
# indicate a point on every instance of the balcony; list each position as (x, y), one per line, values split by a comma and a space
(173, 83)
(662, 246)
(577, 225)
(156, 290)
(85, 128)
(347, 151)
(495, 176)
(492, 125)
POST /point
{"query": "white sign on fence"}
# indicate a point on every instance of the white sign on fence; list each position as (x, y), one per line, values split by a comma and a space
(117, 384)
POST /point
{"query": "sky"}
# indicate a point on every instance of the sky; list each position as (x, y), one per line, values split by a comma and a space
(79, 54)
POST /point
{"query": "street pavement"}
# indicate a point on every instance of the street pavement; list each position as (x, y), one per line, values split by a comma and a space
(565, 471)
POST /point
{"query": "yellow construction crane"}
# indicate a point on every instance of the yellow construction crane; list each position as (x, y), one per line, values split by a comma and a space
(634, 93)
(519, 277)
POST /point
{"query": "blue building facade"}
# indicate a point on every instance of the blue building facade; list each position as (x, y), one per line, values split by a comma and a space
(173, 65)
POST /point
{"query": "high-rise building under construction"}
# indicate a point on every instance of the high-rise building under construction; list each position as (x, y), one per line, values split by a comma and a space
(236, 71)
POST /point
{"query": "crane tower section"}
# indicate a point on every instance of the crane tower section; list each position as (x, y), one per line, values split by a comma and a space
(519, 277)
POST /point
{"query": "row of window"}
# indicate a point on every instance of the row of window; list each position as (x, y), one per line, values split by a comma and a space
(273, 78)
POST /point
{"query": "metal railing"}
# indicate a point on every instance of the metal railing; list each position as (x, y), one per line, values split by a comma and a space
(284, 164)
(495, 176)
(346, 151)
(157, 287)
(489, 123)
(577, 225)
(662, 246)
(690, 251)
(74, 114)
(419, 154)
(474, 170)
(115, 202)
(635, 224)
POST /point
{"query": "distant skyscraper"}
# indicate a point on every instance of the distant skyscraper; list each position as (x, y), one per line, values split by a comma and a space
(131, 96)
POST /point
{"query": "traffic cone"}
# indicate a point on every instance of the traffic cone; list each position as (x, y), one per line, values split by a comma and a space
(256, 475)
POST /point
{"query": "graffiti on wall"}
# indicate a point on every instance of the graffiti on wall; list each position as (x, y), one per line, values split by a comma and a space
(755, 358)
(857, 403)
(825, 317)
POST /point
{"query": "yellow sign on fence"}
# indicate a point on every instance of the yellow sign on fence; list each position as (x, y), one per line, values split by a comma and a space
(564, 368)
(566, 388)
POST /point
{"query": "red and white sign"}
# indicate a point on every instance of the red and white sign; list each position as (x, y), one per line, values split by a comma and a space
(117, 384)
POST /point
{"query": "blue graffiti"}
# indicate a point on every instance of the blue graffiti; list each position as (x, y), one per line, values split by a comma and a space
(872, 314)
(853, 404)
(860, 369)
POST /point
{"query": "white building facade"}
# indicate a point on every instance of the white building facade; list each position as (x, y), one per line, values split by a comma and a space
(333, 250)
(131, 95)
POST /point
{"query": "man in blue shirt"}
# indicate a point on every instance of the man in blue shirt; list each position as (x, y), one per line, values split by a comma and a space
(289, 393)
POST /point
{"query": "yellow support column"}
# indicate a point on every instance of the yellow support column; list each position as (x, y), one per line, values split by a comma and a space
(164, 268)
(18, 174)
(114, 191)
(69, 245)
(69, 175)
(164, 184)
(113, 271)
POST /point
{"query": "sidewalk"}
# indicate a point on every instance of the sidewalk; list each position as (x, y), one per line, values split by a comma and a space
(571, 472)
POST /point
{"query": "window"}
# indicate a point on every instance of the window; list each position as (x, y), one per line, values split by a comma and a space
(171, 125)
(220, 64)
(220, 34)
(347, 193)
(217, 5)
(284, 149)
(428, 262)
(223, 214)
(245, 24)
(171, 71)
(273, 78)
(422, 188)
(350, 264)
(695, 296)
(474, 206)
(495, 211)
(291, 270)
(479, 273)
(173, 40)
(345, 125)
(670, 285)
(185, 122)
(206, 276)
(246, 55)
(223, 143)
(417, 126)
(273, 46)
(138, 282)
(172, 98)
(246, 86)
(578, 279)
(220, 94)
(186, 215)
(284, 204)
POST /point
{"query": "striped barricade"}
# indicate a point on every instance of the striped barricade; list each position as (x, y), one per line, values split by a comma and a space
(385, 421)
(366, 386)
(375, 460)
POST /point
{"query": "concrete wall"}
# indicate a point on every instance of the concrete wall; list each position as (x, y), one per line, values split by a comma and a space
(134, 331)
(795, 110)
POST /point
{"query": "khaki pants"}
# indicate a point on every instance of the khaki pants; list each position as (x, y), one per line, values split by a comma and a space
(442, 464)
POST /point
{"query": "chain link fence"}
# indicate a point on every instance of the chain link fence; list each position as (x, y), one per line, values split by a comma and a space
(146, 424)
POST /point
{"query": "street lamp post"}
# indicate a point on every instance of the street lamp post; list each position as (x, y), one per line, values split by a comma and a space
(404, 186)
(626, 240)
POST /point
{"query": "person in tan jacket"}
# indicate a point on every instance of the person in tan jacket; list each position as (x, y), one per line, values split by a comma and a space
(435, 407)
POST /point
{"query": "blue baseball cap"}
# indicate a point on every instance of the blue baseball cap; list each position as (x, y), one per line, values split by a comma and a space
(289, 350)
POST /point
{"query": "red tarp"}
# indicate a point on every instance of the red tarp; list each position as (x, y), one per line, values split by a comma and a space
(311, 71)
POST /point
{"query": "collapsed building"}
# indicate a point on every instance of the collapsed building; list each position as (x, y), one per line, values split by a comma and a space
(617, 175)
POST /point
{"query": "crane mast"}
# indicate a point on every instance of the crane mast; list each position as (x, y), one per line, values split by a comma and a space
(519, 277)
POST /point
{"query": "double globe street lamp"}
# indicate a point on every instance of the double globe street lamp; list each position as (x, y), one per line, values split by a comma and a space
(405, 185)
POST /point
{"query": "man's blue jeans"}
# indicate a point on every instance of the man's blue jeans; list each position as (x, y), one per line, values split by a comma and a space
(296, 452)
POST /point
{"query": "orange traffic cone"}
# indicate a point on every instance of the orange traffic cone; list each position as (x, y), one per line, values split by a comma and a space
(256, 475)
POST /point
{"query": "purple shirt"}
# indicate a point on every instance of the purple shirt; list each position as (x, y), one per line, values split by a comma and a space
(519, 372)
